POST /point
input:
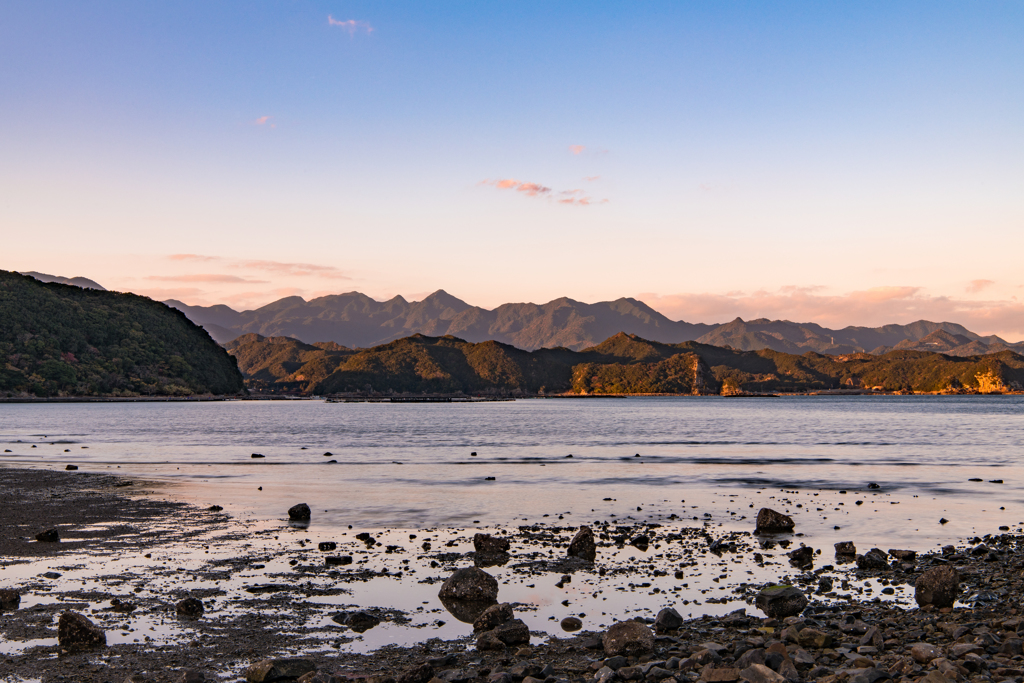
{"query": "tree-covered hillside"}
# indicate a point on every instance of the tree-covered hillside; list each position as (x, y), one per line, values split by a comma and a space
(62, 340)
(622, 364)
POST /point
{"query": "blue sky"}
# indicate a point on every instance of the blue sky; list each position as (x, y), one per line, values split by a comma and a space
(849, 163)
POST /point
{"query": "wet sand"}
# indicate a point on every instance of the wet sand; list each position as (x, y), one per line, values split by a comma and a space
(126, 557)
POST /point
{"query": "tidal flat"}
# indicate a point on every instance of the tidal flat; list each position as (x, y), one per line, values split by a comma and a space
(363, 602)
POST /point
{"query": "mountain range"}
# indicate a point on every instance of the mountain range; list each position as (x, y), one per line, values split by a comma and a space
(357, 321)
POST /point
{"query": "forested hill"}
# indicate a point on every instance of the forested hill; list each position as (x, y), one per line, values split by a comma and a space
(622, 364)
(62, 340)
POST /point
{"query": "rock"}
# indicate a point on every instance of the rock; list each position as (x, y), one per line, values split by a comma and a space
(934, 677)
(76, 632)
(10, 599)
(1012, 647)
(320, 677)
(904, 555)
(470, 583)
(360, 622)
(759, 673)
(961, 650)
(466, 611)
(338, 560)
(924, 652)
(512, 632)
(486, 544)
(629, 638)
(299, 513)
(771, 522)
(284, 669)
(571, 624)
(641, 543)
(71, 467)
(190, 607)
(327, 546)
(419, 674)
(810, 637)
(938, 586)
(668, 619)
(583, 545)
(48, 536)
(873, 559)
(846, 548)
(489, 641)
(802, 557)
(779, 602)
(493, 616)
(191, 676)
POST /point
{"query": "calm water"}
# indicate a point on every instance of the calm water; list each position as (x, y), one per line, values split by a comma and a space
(411, 465)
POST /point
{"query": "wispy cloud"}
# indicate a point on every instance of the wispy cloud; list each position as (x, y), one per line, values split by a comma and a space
(975, 286)
(350, 25)
(868, 307)
(574, 197)
(276, 267)
(262, 120)
(592, 178)
(577, 149)
(206, 277)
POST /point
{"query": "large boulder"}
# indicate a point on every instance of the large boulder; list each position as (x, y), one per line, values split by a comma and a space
(846, 549)
(938, 586)
(76, 632)
(485, 544)
(299, 513)
(470, 583)
(495, 615)
(466, 611)
(583, 545)
(628, 638)
(667, 620)
(512, 632)
(9, 598)
(283, 669)
(779, 602)
(771, 522)
(48, 536)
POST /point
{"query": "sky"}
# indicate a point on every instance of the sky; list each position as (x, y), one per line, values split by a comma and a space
(846, 163)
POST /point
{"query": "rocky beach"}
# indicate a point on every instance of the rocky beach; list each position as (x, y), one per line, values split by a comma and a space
(141, 588)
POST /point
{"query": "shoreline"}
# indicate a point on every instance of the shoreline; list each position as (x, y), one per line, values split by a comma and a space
(279, 607)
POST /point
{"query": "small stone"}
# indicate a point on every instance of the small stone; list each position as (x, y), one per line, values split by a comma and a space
(360, 622)
(629, 638)
(583, 545)
(299, 513)
(723, 675)
(512, 632)
(939, 586)
(904, 555)
(873, 559)
(571, 624)
(779, 602)
(487, 544)
(327, 546)
(846, 548)
(191, 676)
(759, 673)
(493, 616)
(810, 637)
(320, 677)
(338, 560)
(470, 583)
(190, 607)
(283, 669)
(771, 522)
(10, 599)
(420, 674)
(76, 632)
(48, 536)
(802, 557)
(924, 652)
(668, 619)
(71, 467)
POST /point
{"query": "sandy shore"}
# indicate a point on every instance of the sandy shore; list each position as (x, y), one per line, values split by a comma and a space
(127, 557)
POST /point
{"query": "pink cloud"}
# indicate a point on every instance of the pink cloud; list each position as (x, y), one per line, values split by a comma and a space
(204, 277)
(592, 178)
(574, 197)
(975, 286)
(577, 149)
(277, 267)
(261, 120)
(191, 257)
(350, 25)
(869, 307)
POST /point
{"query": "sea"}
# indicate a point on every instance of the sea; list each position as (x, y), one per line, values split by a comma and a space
(911, 461)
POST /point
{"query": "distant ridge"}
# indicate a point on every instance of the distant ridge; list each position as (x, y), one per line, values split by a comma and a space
(83, 282)
(355, 320)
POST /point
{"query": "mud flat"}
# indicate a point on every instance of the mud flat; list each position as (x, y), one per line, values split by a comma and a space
(364, 603)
